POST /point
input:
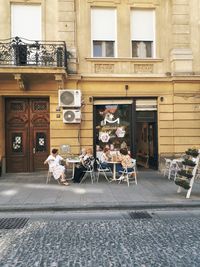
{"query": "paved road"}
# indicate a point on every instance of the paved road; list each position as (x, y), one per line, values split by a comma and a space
(102, 239)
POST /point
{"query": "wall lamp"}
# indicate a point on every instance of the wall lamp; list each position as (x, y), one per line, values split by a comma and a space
(58, 109)
(126, 87)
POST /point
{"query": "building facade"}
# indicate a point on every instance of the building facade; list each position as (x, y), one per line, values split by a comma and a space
(98, 73)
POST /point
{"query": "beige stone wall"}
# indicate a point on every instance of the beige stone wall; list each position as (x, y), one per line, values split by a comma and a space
(58, 20)
(179, 119)
(170, 75)
(124, 64)
(195, 34)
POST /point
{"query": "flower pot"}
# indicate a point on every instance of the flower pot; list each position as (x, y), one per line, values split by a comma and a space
(183, 183)
(189, 162)
(192, 152)
(185, 173)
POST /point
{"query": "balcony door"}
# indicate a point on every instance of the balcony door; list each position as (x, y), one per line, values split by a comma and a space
(27, 134)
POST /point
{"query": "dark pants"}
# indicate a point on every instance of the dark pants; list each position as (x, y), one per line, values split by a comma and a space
(105, 165)
(120, 169)
(79, 173)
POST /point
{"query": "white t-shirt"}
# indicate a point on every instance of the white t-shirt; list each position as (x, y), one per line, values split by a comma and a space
(104, 157)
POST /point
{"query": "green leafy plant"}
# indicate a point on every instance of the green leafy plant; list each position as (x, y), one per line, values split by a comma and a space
(185, 173)
(183, 183)
(192, 152)
(189, 162)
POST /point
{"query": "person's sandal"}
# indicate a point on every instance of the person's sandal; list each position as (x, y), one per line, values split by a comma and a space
(65, 183)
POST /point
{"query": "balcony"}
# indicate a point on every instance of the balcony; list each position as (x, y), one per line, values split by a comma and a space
(18, 52)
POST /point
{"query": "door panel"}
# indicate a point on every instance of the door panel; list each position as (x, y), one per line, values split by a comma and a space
(17, 159)
(152, 145)
(27, 134)
(39, 128)
(40, 148)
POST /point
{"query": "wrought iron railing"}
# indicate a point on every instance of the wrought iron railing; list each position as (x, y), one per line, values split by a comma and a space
(22, 52)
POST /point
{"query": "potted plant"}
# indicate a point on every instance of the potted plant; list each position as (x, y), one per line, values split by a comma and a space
(192, 152)
(189, 162)
(183, 182)
(185, 173)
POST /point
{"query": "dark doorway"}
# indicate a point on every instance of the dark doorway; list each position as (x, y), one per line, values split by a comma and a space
(146, 139)
(27, 134)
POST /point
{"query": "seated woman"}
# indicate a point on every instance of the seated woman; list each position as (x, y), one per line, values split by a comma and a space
(105, 158)
(54, 165)
(83, 153)
(125, 161)
(85, 164)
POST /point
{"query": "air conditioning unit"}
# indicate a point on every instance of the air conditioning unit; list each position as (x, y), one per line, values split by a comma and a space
(71, 115)
(69, 98)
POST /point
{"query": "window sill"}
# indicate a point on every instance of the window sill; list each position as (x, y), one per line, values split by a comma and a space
(120, 59)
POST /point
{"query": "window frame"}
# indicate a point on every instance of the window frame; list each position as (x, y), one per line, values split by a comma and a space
(102, 40)
(104, 49)
(153, 40)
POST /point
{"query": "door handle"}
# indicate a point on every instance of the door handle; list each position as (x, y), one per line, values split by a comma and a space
(34, 150)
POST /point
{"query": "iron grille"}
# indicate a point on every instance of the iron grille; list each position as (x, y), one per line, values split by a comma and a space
(139, 215)
(13, 223)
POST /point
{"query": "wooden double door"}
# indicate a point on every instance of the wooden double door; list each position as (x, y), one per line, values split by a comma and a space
(27, 134)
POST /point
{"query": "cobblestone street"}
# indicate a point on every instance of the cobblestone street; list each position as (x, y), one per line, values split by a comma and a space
(102, 239)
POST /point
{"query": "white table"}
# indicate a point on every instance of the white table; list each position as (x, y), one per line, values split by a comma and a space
(114, 169)
(73, 162)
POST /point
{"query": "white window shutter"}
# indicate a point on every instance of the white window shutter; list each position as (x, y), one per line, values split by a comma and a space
(143, 25)
(103, 24)
(26, 21)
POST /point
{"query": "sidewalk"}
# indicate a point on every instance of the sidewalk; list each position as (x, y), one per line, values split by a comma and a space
(28, 192)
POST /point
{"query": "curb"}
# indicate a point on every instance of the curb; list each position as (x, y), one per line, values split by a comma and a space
(31, 208)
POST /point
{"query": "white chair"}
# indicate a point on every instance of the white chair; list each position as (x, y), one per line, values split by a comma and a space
(49, 175)
(90, 172)
(175, 166)
(102, 170)
(127, 175)
(166, 170)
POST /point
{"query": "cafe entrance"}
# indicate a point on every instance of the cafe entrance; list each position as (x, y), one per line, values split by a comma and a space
(130, 123)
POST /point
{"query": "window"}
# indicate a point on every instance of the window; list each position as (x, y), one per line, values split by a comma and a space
(113, 128)
(26, 21)
(143, 33)
(103, 48)
(103, 32)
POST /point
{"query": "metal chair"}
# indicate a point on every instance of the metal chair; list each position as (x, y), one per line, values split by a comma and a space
(128, 175)
(166, 170)
(102, 170)
(49, 175)
(175, 166)
(90, 172)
